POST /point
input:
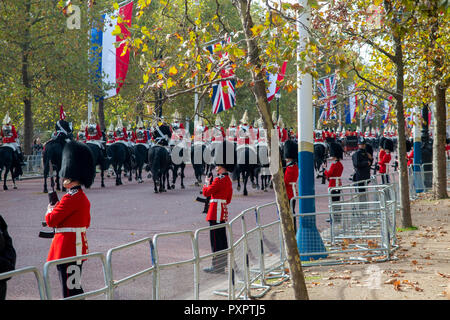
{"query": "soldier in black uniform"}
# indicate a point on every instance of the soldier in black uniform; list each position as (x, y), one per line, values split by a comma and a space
(162, 134)
(362, 160)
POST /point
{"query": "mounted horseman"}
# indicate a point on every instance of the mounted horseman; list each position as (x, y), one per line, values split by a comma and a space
(53, 148)
(118, 152)
(320, 150)
(11, 157)
(179, 149)
(158, 155)
(197, 150)
(95, 142)
(141, 149)
(247, 160)
(263, 156)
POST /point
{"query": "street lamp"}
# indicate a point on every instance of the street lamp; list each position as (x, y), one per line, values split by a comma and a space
(278, 96)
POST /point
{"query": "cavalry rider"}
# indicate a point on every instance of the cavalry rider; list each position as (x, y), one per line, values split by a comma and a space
(71, 216)
(9, 138)
(282, 132)
(290, 152)
(110, 134)
(178, 130)
(245, 132)
(200, 132)
(218, 132)
(120, 133)
(63, 129)
(262, 133)
(162, 133)
(232, 130)
(81, 135)
(141, 134)
(318, 138)
(220, 191)
(94, 134)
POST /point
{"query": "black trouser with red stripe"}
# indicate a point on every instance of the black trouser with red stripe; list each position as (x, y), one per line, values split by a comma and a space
(218, 238)
(70, 276)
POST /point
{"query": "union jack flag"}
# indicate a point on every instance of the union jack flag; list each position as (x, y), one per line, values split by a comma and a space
(224, 93)
(327, 96)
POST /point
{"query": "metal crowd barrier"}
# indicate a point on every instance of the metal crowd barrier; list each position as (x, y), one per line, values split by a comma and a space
(25, 270)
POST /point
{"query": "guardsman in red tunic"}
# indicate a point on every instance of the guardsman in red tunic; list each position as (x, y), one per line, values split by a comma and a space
(245, 132)
(9, 138)
(71, 215)
(218, 132)
(220, 191)
(81, 135)
(290, 150)
(334, 174)
(232, 130)
(384, 158)
(120, 133)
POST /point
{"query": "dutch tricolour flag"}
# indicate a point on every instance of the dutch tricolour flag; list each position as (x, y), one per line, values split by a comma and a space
(111, 64)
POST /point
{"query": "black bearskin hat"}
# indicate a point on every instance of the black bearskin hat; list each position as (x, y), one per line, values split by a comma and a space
(290, 150)
(225, 155)
(409, 145)
(78, 163)
(336, 150)
(382, 142)
(388, 145)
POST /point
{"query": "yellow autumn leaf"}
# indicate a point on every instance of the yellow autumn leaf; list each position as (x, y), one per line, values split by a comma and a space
(173, 71)
(170, 83)
(116, 31)
(256, 30)
(145, 77)
(116, 6)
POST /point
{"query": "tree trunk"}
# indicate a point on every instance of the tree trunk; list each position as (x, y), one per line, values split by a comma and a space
(401, 144)
(27, 111)
(439, 158)
(101, 114)
(259, 90)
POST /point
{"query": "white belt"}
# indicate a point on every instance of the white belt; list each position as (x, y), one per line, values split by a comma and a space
(219, 208)
(78, 239)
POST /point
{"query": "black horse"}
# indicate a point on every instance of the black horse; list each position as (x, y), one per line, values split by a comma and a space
(178, 161)
(141, 158)
(99, 160)
(263, 167)
(320, 156)
(198, 163)
(52, 153)
(8, 161)
(247, 162)
(119, 157)
(159, 158)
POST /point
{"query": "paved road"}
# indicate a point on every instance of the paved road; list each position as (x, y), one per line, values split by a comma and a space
(119, 215)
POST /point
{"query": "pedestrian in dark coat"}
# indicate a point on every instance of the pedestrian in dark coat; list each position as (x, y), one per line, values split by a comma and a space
(7, 255)
(362, 160)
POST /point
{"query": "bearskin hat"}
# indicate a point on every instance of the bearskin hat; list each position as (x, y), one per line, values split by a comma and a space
(388, 144)
(336, 150)
(382, 142)
(224, 155)
(409, 145)
(78, 163)
(290, 150)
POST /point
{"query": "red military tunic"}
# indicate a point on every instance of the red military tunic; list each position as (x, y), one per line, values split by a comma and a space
(123, 138)
(97, 136)
(335, 171)
(141, 136)
(11, 138)
(384, 160)
(410, 157)
(71, 217)
(290, 175)
(221, 192)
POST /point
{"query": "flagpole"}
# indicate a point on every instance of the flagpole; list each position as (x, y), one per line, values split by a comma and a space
(308, 237)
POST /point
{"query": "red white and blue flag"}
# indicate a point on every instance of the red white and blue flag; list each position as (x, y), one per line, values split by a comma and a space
(273, 78)
(111, 63)
(353, 102)
(387, 111)
(327, 88)
(224, 92)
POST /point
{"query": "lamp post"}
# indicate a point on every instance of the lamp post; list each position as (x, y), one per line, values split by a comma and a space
(277, 97)
(308, 237)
